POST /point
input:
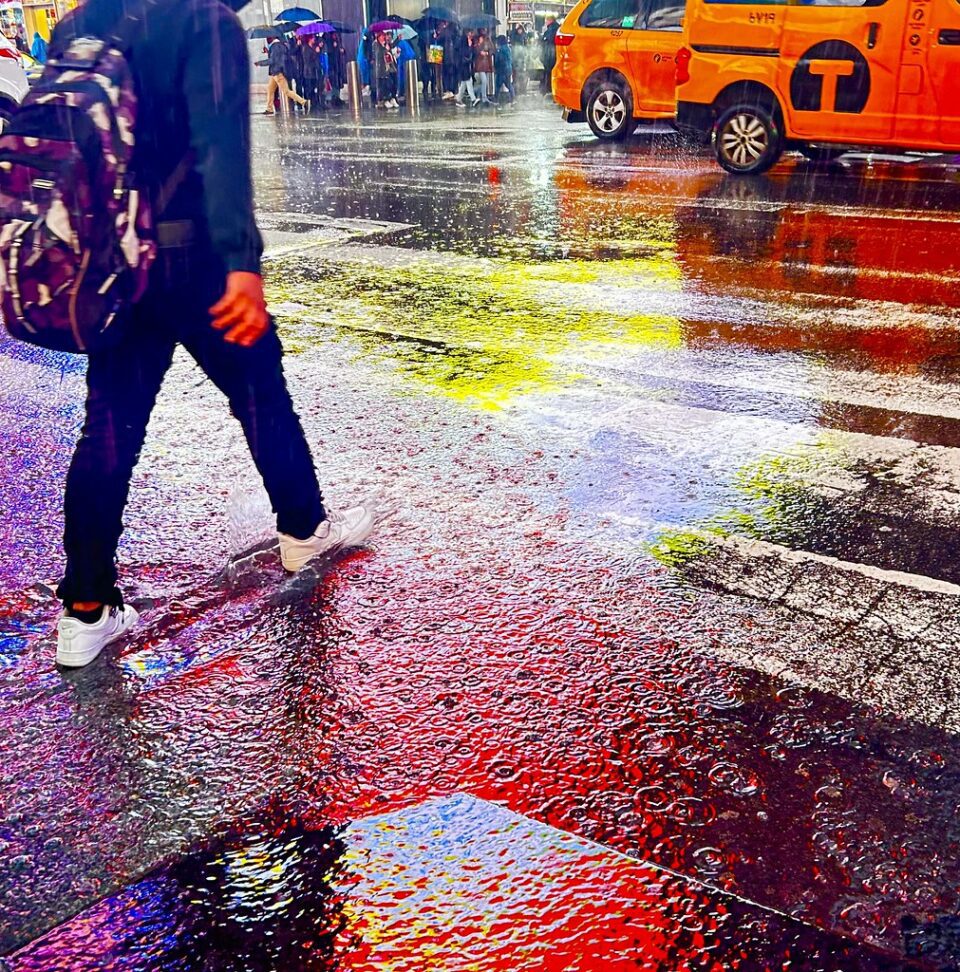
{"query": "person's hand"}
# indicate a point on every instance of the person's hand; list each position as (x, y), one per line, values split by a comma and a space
(242, 311)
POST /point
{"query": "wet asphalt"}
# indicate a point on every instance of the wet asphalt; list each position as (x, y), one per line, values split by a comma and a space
(652, 661)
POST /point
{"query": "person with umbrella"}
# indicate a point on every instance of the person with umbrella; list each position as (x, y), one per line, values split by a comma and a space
(277, 68)
(404, 53)
(483, 64)
(336, 66)
(312, 71)
(465, 66)
(450, 38)
(364, 60)
(384, 74)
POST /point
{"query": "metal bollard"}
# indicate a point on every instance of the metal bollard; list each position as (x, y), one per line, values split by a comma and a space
(412, 87)
(354, 88)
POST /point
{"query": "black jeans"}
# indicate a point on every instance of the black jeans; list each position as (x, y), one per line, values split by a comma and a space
(122, 387)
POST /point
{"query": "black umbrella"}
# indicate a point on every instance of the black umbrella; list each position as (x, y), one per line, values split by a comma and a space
(340, 27)
(479, 22)
(440, 13)
(270, 30)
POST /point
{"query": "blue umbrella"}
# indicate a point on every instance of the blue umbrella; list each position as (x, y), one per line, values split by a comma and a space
(300, 15)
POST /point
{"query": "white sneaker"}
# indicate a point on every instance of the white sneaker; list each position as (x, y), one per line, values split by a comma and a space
(79, 643)
(348, 528)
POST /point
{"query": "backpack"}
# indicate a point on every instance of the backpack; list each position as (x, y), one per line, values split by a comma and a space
(77, 239)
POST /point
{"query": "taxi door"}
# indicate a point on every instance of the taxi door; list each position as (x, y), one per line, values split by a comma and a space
(928, 110)
(651, 49)
(839, 69)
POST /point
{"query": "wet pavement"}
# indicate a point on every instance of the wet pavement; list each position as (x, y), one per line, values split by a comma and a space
(652, 663)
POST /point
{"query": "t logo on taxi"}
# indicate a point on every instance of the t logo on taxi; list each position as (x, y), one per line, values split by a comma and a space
(831, 76)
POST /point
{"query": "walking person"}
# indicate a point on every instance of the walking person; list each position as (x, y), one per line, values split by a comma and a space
(503, 63)
(276, 68)
(483, 66)
(465, 63)
(191, 71)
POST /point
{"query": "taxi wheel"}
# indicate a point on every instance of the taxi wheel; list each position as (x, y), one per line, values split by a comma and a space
(609, 111)
(6, 113)
(747, 139)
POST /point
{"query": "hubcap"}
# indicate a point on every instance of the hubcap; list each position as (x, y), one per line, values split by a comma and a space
(744, 139)
(609, 111)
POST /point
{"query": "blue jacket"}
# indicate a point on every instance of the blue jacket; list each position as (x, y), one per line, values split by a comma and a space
(503, 61)
(39, 50)
(362, 60)
(405, 52)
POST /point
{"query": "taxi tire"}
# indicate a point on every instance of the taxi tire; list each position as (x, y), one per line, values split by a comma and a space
(609, 95)
(759, 140)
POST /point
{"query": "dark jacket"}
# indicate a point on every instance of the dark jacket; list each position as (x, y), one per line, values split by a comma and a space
(311, 62)
(383, 61)
(549, 44)
(277, 58)
(504, 61)
(192, 73)
(465, 61)
(450, 40)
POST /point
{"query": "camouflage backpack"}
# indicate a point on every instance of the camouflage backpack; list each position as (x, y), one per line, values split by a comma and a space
(77, 239)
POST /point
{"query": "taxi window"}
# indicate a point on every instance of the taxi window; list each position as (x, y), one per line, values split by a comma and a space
(665, 14)
(610, 13)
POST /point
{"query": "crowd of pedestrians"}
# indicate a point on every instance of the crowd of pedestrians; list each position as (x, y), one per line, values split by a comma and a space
(308, 71)
(470, 67)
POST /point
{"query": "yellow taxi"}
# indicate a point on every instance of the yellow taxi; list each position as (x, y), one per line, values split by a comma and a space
(616, 63)
(820, 77)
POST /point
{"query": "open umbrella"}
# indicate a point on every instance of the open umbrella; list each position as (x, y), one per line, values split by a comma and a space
(318, 27)
(340, 27)
(264, 31)
(299, 15)
(382, 26)
(440, 13)
(479, 22)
